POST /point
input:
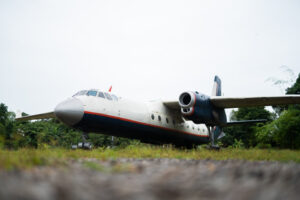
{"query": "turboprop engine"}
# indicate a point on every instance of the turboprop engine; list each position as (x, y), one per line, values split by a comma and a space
(198, 108)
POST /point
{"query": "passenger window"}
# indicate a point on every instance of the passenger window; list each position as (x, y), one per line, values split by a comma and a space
(159, 118)
(101, 95)
(115, 98)
(152, 117)
(167, 120)
(92, 93)
(107, 96)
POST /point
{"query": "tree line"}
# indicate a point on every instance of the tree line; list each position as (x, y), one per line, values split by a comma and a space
(46, 133)
(282, 130)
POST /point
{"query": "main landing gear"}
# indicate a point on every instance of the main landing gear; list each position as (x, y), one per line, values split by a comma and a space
(84, 144)
(212, 146)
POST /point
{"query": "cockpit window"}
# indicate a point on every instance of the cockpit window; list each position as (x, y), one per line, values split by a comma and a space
(115, 98)
(101, 95)
(107, 96)
(92, 93)
(80, 93)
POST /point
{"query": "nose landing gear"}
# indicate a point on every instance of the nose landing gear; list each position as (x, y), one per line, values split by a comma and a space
(84, 144)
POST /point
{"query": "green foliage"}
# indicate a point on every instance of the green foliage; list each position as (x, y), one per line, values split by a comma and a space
(56, 157)
(295, 88)
(283, 132)
(46, 134)
(245, 133)
(6, 126)
(238, 144)
(3, 114)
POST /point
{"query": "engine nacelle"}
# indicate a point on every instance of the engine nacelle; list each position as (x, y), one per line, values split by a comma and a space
(198, 108)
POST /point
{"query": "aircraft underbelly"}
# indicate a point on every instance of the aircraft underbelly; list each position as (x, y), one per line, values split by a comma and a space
(122, 127)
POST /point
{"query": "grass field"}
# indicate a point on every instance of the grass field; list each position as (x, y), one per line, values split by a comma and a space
(28, 158)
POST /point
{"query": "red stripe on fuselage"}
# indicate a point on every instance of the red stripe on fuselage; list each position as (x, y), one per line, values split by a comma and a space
(142, 123)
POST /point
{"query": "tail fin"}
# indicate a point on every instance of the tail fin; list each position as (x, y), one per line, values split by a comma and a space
(217, 90)
(219, 114)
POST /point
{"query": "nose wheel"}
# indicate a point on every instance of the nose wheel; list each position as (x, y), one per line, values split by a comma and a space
(84, 144)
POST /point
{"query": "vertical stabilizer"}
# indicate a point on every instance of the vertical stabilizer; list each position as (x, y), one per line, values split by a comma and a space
(217, 90)
(218, 113)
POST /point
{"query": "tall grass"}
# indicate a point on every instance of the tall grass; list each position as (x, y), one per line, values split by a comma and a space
(28, 158)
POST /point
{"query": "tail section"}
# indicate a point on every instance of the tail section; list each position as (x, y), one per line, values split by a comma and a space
(217, 89)
(219, 114)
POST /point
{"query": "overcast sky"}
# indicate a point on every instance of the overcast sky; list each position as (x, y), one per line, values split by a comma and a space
(146, 50)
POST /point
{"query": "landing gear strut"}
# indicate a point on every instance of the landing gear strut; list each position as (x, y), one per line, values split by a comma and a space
(212, 138)
(84, 144)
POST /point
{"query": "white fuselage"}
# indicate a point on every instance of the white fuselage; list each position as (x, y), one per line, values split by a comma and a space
(152, 114)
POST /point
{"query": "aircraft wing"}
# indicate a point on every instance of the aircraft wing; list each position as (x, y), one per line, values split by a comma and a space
(38, 116)
(238, 102)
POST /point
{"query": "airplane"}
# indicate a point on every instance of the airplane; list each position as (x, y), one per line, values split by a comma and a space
(193, 119)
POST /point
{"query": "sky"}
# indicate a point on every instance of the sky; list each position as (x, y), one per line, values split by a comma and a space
(146, 50)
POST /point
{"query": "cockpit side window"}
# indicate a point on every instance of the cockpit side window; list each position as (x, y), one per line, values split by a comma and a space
(115, 98)
(80, 93)
(107, 96)
(92, 93)
(101, 95)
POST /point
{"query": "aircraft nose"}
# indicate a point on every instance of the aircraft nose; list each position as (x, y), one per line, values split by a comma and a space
(70, 111)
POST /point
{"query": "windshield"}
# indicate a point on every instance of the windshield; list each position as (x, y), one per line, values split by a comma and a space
(96, 93)
(80, 93)
(92, 93)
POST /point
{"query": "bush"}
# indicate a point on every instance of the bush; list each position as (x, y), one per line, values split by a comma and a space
(238, 144)
(283, 132)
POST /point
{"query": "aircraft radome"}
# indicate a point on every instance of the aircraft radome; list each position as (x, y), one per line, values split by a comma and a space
(192, 120)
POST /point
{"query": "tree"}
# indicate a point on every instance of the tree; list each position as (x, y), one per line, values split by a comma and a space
(3, 114)
(6, 126)
(283, 132)
(295, 88)
(245, 133)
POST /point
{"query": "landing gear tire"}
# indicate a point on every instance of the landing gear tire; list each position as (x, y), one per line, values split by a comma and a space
(84, 144)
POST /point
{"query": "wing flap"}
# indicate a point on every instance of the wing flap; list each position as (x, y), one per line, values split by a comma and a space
(38, 116)
(232, 102)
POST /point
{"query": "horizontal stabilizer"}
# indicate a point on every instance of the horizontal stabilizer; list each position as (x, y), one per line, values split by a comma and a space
(38, 116)
(233, 123)
(239, 102)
